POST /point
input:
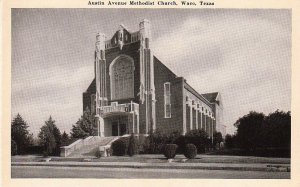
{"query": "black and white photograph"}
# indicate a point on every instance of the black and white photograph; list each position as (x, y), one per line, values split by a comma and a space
(160, 93)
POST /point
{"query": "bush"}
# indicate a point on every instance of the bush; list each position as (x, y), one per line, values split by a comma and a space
(156, 140)
(180, 142)
(199, 138)
(35, 149)
(120, 146)
(45, 154)
(154, 143)
(142, 144)
(170, 150)
(98, 154)
(230, 141)
(218, 138)
(132, 146)
(190, 151)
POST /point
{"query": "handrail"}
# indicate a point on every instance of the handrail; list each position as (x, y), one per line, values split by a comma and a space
(126, 107)
(67, 150)
(73, 144)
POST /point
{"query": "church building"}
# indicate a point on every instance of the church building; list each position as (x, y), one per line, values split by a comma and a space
(134, 92)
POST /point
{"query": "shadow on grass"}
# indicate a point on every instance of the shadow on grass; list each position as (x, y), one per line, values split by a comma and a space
(261, 152)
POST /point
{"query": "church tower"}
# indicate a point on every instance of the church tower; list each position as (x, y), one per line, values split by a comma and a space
(100, 76)
(147, 89)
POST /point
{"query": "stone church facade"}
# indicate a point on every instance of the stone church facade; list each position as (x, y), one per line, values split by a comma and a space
(134, 92)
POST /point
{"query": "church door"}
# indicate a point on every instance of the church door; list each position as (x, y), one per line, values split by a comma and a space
(123, 129)
(118, 129)
(114, 129)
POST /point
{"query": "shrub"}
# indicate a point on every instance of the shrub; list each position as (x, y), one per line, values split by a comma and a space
(98, 154)
(180, 142)
(45, 154)
(120, 146)
(170, 150)
(218, 138)
(132, 146)
(35, 149)
(156, 140)
(190, 151)
(199, 138)
(142, 144)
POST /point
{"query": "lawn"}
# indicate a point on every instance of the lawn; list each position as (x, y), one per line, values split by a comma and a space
(161, 159)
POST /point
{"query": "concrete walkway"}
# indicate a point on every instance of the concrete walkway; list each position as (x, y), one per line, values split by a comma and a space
(175, 165)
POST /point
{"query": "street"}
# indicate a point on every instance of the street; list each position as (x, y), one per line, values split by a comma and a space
(97, 172)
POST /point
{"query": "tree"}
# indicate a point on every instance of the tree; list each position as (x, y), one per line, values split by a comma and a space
(217, 138)
(249, 130)
(50, 138)
(229, 141)
(257, 130)
(14, 150)
(65, 139)
(85, 126)
(30, 139)
(20, 135)
(277, 130)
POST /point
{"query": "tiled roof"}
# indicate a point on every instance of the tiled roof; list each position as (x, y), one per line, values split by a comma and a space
(211, 97)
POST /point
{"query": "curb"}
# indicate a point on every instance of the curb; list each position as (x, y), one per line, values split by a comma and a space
(269, 168)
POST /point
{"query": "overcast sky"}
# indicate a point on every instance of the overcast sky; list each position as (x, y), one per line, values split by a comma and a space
(243, 54)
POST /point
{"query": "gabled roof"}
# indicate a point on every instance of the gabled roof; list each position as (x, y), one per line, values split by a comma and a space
(211, 97)
(92, 87)
(192, 90)
(124, 27)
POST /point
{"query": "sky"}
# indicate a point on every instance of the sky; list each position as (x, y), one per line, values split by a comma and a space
(245, 54)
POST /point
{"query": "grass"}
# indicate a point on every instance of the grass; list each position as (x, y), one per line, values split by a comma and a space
(161, 159)
(260, 152)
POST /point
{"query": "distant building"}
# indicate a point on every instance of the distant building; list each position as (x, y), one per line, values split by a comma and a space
(134, 92)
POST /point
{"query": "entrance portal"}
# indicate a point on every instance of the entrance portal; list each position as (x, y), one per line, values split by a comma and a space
(118, 128)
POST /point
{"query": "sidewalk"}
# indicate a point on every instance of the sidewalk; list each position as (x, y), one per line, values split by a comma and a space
(175, 165)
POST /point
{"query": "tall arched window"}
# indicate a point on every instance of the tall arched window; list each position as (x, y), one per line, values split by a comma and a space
(121, 72)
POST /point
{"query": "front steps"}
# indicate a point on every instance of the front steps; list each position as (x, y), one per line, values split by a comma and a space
(86, 147)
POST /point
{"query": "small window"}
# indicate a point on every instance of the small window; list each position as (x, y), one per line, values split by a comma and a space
(167, 99)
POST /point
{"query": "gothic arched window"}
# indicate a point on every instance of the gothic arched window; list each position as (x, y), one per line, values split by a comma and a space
(121, 73)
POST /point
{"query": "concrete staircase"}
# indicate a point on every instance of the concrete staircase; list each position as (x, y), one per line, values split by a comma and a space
(90, 148)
